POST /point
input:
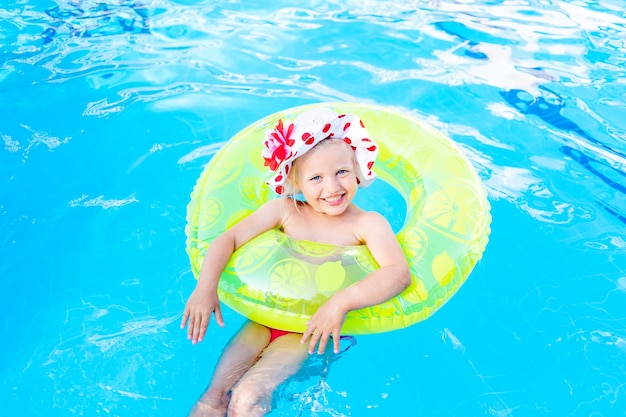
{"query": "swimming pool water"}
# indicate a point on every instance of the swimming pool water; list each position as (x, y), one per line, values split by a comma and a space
(110, 109)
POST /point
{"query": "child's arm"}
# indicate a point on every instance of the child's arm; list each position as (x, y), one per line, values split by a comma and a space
(390, 279)
(204, 300)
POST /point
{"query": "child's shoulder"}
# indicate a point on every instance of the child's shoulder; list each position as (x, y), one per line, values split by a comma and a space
(370, 217)
(284, 207)
(371, 224)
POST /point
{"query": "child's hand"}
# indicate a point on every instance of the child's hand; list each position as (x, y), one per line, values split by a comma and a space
(198, 310)
(326, 322)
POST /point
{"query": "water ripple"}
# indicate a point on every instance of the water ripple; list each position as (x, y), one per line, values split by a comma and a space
(166, 54)
(532, 91)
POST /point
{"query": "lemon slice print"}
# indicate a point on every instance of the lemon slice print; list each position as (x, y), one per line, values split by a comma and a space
(253, 256)
(364, 259)
(414, 243)
(313, 249)
(224, 172)
(453, 210)
(253, 191)
(209, 214)
(289, 280)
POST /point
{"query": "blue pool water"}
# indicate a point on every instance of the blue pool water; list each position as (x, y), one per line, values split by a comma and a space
(109, 110)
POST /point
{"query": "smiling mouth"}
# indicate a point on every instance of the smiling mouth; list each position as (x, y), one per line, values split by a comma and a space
(334, 199)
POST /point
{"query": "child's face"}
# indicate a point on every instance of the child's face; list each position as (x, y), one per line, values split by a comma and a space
(326, 176)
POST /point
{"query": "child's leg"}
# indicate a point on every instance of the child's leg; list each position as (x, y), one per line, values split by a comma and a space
(240, 354)
(252, 396)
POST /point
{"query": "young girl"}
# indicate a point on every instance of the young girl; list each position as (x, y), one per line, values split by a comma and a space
(325, 157)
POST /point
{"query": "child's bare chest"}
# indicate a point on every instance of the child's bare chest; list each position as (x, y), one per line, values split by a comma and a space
(339, 232)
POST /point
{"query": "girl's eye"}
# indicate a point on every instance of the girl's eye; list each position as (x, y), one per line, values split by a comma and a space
(316, 178)
(342, 171)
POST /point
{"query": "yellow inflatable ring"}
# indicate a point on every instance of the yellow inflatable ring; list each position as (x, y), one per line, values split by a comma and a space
(279, 282)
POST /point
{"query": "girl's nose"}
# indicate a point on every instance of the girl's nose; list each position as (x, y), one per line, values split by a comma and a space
(333, 185)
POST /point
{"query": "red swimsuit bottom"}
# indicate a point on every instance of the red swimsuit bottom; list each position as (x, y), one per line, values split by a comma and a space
(276, 333)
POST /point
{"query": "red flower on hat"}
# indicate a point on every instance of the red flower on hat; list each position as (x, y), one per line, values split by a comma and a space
(278, 145)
